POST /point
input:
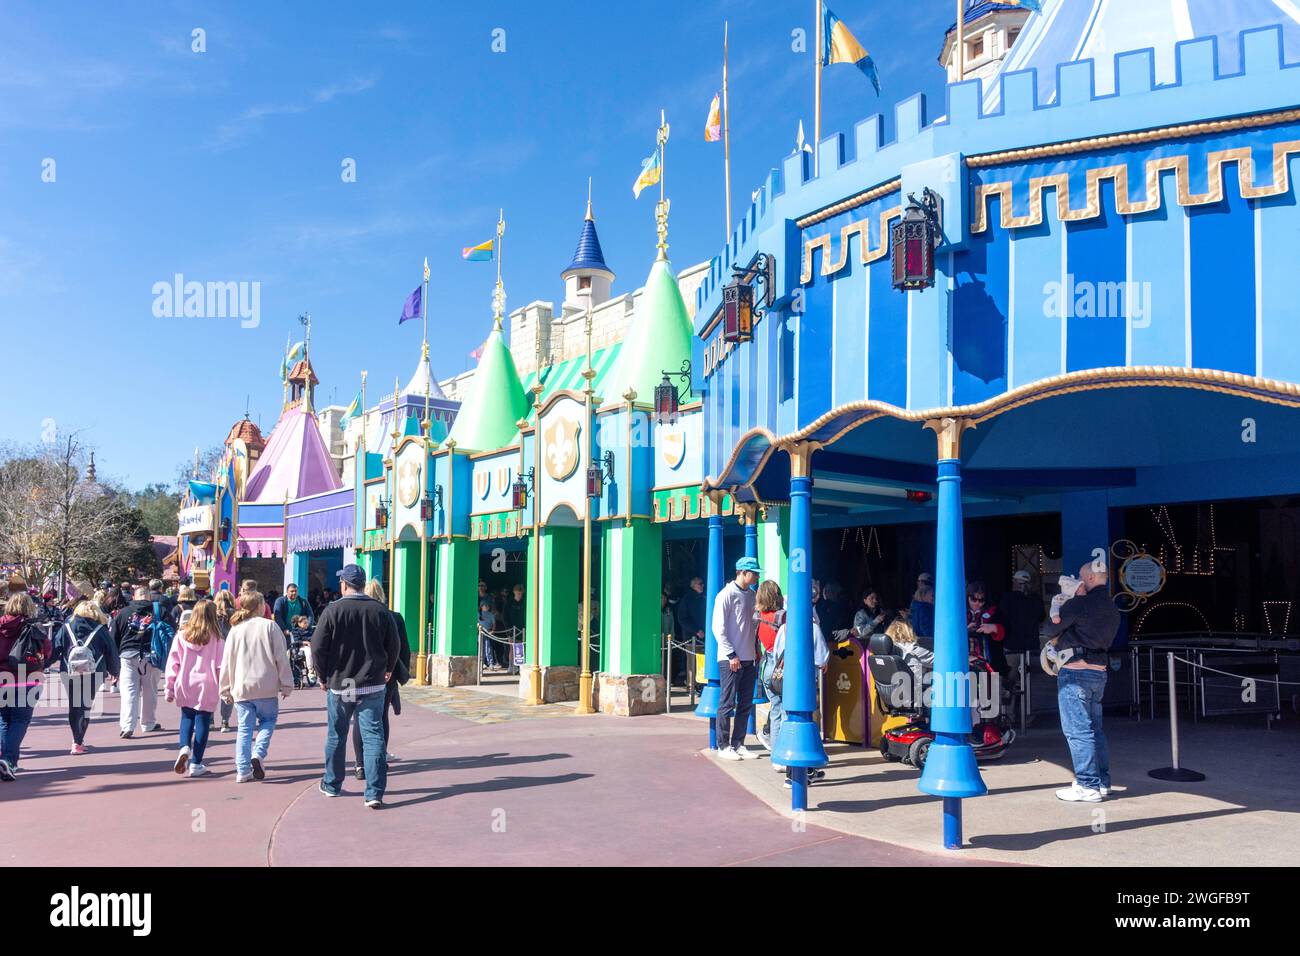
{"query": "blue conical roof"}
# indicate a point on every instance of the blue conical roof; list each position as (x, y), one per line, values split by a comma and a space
(588, 254)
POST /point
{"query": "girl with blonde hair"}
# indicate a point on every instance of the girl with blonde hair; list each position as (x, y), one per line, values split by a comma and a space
(194, 683)
(254, 670)
(88, 656)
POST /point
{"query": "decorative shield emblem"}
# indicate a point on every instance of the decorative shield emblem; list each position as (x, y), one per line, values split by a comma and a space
(673, 444)
(482, 483)
(560, 448)
(503, 479)
(408, 483)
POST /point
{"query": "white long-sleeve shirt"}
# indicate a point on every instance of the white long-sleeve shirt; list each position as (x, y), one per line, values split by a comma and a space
(821, 652)
(734, 625)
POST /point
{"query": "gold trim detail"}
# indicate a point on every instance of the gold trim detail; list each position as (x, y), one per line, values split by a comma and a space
(1118, 174)
(852, 202)
(859, 228)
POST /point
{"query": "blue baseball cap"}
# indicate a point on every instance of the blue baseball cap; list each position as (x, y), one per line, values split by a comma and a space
(748, 564)
(352, 576)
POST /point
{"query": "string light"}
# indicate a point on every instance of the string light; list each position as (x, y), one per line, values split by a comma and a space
(1268, 618)
(1155, 607)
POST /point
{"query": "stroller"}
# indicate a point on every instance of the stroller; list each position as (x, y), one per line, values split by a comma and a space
(298, 638)
(898, 694)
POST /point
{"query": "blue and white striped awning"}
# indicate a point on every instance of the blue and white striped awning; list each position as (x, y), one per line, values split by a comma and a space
(1069, 30)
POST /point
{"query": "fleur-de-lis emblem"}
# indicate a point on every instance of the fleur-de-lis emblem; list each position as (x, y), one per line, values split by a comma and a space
(561, 448)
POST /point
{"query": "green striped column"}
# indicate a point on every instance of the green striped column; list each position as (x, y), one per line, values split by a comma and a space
(630, 615)
(561, 559)
(455, 628)
(774, 546)
(406, 595)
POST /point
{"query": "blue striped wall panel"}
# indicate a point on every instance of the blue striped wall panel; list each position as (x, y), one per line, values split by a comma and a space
(814, 352)
(1279, 306)
(1034, 331)
(1158, 323)
(886, 338)
(929, 319)
(979, 321)
(1221, 240)
(850, 291)
(1096, 261)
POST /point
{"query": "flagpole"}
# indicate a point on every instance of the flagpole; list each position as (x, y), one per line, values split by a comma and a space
(726, 128)
(960, 50)
(661, 210)
(817, 88)
(499, 293)
(424, 313)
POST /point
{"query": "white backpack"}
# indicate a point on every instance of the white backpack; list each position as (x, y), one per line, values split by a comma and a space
(80, 658)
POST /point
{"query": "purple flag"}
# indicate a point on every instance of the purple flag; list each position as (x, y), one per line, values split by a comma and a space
(413, 307)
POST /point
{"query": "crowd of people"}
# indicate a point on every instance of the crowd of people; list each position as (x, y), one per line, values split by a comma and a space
(217, 658)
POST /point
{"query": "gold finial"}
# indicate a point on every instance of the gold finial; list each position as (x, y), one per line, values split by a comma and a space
(661, 208)
(397, 390)
(499, 293)
(589, 216)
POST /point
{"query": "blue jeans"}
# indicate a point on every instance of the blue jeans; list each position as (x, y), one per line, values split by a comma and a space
(1078, 695)
(775, 716)
(13, 728)
(195, 725)
(369, 711)
(259, 714)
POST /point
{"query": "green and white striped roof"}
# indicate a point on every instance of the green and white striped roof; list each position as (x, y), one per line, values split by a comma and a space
(568, 374)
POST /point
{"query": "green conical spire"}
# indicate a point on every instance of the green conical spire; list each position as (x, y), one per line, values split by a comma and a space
(496, 400)
(660, 339)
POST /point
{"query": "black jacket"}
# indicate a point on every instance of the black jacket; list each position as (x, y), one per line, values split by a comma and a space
(101, 645)
(355, 643)
(1089, 623)
(121, 630)
(690, 613)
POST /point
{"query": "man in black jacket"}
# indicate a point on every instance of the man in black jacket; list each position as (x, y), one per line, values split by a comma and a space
(132, 633)
(355, 649)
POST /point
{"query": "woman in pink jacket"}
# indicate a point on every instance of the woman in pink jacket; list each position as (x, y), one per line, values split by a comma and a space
(194, 682)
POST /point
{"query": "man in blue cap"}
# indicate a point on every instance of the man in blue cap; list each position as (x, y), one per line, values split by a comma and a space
(737, 633)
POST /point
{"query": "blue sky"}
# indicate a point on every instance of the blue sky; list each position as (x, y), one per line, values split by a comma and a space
(226, 166)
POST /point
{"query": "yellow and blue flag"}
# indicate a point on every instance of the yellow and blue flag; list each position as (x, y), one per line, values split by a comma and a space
(713, 125)
(650, 170)
(480, 253)
(839, 45)
(351, 412)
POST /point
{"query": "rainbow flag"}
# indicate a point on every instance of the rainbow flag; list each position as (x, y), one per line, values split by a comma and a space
(839, 45)
(480, 253)
(713, 125)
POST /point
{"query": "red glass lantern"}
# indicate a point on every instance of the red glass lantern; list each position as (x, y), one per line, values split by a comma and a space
(737, 312)
(426, 508)
(519, 494)
(595, 481)
(381, 514)
(666, 401)
(913, 240)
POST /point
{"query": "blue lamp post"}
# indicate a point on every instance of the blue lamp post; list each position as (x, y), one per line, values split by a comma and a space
(751, 551)
(799, 745)
(950, 769)
(712, 693)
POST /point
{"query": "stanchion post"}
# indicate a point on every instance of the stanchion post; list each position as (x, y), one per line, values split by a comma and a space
(1175, 772)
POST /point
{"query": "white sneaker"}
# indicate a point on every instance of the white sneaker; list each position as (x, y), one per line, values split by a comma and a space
(745, 753)
(1104, 791)
(726, 753)
(779, 767)
(1077, 794)
(243, 777)
(197, 770)
(182, 759)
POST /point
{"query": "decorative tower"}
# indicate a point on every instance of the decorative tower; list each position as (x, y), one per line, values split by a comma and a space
(989, 31)
(587, 279)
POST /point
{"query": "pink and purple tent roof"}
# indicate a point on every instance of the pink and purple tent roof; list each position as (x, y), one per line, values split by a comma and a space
(295, 462)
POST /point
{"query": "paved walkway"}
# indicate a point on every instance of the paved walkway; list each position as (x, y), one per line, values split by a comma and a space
(489, 787)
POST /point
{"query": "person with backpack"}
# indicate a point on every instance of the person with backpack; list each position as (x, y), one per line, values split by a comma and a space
(25, 652)
(776, 682)
(392, 698)
(143, 636)
(254, 668)
(88, 656)
(194, 683)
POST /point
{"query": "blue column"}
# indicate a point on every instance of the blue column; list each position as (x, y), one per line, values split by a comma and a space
(950, 769)
(751, 551)
(709, 697)
(799, 745)
(297, 571)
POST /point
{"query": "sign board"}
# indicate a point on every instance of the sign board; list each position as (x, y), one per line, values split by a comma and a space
(193, 520)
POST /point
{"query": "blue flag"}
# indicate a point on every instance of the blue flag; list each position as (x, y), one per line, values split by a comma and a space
(413, 308)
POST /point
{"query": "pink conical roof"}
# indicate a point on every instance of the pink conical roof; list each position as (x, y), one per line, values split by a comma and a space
(295, 462)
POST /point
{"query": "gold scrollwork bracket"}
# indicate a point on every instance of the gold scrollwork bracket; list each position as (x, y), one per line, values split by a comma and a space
(948, 432)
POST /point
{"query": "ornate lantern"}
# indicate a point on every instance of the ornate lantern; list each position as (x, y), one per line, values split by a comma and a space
(737, 312)
(667, 395)
(519, 490)
(381, 513)
(913, 240)
(426, 508)
(601, 471)
(225, 529)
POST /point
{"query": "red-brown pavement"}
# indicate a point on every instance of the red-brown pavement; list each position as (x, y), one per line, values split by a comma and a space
(557, 791)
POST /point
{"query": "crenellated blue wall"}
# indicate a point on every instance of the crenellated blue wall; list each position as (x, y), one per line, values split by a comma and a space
(1206, 283)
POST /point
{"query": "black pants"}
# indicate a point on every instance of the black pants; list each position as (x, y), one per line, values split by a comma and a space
(738, 699)
(81, 690)
(389, 693)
